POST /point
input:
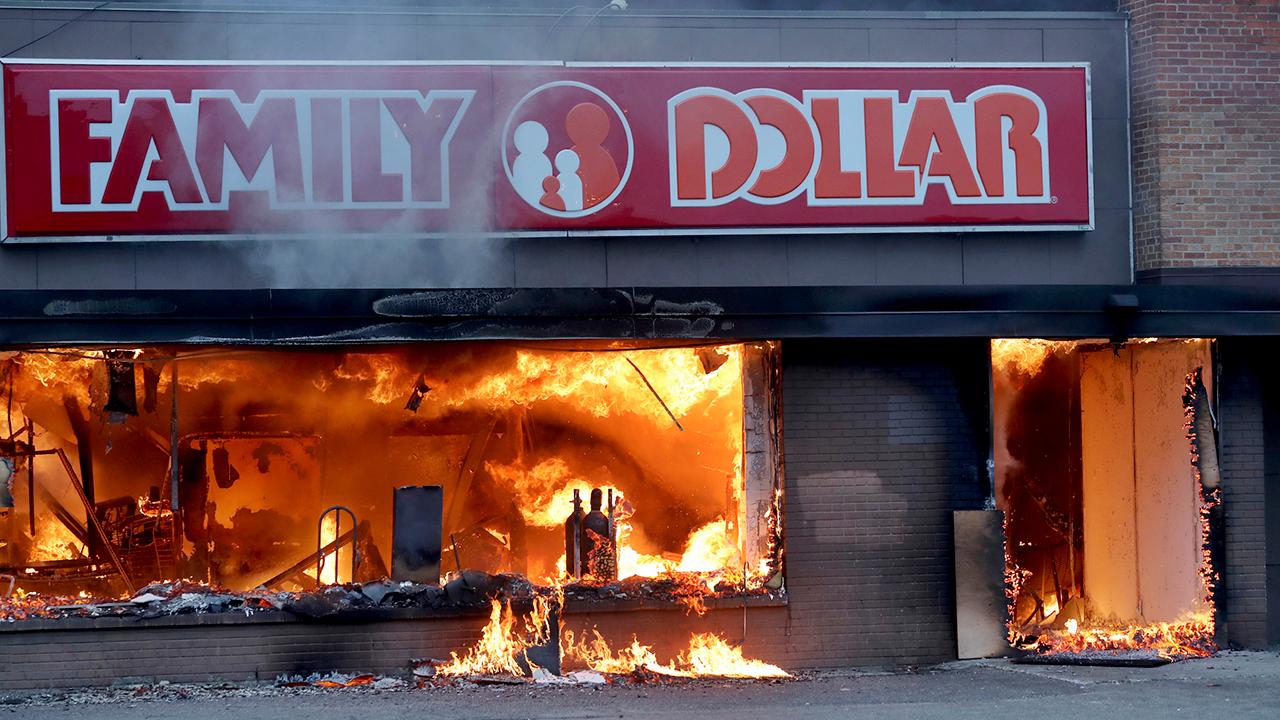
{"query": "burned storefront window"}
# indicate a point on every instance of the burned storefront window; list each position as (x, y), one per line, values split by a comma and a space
(586, 464)
(1098, 451)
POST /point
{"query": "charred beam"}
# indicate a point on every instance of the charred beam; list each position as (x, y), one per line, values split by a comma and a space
(661, 402)
(93, 521)
(84, 438)
(64, 516)
(31, 478)
(310, 560)
(470, 466)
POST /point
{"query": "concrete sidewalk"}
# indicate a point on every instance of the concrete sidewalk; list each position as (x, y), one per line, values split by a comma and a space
(1232, 685)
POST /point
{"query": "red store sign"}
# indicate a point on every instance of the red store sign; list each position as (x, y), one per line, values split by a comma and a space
(96, 151)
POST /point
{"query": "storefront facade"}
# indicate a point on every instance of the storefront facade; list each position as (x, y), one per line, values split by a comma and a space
(881, 420)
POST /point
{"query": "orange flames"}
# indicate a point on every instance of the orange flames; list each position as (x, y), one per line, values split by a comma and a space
(1040, 619)
(605, 383)
(288, 433)
(69, 373)
(1024, 356)
(506, 638)
(50, 369)
(386, 377)
(503, 642)
(53, 541)
(602, 382)
(329, 568)
(708, 655)
(708, 554)
(544, 492)
(1190, 638)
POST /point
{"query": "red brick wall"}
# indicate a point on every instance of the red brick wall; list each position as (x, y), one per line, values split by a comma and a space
(1206, 132)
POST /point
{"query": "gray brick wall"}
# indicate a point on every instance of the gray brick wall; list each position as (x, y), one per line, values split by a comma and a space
(882, 441)
(1271, 498)
(235, 652)
(1242, 434)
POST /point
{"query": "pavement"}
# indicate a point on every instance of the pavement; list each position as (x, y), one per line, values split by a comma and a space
(1231, 685)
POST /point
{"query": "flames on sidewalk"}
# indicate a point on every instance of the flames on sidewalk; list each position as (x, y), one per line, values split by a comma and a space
(506, 641)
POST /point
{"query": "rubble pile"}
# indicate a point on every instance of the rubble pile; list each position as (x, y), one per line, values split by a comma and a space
(164, 691)
(469, 590)
(472, 589)
(692, 590)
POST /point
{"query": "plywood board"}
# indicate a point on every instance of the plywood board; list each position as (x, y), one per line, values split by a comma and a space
(1167, 494)
(1107, 464)
(980, 599)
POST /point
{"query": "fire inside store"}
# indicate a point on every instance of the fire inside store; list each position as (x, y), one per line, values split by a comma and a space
(1106, 472)
(629, 471)
(640, 471)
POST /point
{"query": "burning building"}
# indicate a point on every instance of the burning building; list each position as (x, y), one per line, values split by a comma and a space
(645, 340)
(1108, 492)
(269, 441)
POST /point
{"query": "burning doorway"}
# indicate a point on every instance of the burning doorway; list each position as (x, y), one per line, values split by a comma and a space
(1097, 461)
(219, 462)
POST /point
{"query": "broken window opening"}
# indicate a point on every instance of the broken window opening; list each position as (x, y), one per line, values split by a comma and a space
(1098, 452)
(685, 440)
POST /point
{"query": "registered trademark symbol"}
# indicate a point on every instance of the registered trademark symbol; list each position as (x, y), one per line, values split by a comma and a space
(1053, 200)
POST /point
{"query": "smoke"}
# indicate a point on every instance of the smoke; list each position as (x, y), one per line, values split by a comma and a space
(400, 253)
(323, 252)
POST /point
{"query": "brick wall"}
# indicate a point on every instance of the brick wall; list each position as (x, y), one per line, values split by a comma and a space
(1271, 495)
(882, 440)
(236, 651)
(1242, 437)
(1206, 132)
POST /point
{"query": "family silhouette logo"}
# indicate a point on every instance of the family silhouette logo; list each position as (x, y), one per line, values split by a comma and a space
(567, 149)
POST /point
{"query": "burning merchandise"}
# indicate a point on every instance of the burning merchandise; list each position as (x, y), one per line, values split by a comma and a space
(1107, 510)
(508, 434)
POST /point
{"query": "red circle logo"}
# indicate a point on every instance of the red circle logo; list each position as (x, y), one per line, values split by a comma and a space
(567, 149)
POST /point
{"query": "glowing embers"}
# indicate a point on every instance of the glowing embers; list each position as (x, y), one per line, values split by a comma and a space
(1190, 638)
(1104, 510)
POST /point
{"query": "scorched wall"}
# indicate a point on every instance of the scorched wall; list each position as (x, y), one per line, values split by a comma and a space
(882, 441)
